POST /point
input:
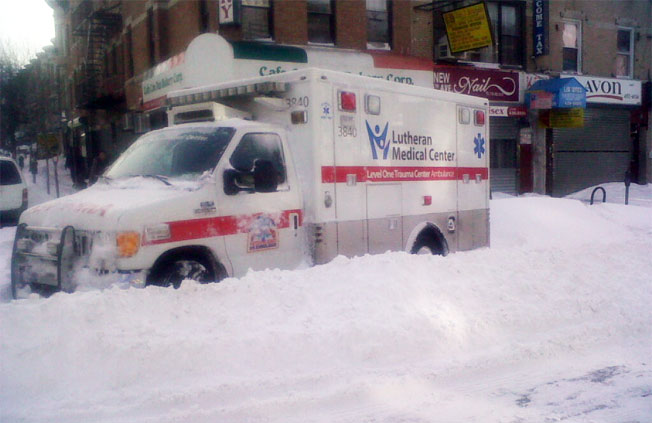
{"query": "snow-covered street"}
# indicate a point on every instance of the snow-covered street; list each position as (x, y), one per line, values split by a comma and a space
(553, 323)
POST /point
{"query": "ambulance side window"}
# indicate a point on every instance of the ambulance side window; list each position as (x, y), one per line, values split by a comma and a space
(259, 146)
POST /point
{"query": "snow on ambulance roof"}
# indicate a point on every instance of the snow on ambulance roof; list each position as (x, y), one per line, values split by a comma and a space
(235, 123)
(342, 77)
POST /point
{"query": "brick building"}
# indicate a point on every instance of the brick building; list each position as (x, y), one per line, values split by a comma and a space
(606, 46)
(109, 47)
(603, 44)
(118, 55)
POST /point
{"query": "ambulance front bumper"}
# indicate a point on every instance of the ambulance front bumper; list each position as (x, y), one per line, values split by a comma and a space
(48, 258)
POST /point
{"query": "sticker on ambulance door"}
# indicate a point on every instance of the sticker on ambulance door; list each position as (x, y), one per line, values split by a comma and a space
(263, 235)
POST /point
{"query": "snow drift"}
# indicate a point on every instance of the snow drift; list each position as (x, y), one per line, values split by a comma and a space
(550, 324)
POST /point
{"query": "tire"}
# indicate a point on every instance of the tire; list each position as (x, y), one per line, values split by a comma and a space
(427, 244)
(174, 271)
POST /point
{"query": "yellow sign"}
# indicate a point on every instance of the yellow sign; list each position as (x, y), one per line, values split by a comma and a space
(562, 118)
(468, 28)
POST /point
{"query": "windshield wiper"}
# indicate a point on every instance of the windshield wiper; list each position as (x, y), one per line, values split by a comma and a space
(159, 177)
(105, 178)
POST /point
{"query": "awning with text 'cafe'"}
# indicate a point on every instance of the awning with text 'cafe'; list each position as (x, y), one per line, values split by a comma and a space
(559, 93)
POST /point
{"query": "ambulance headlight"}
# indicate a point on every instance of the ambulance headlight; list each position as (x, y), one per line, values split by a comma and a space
(128, 243)
(158, 232)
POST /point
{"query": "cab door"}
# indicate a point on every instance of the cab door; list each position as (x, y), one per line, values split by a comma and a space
(263, 227)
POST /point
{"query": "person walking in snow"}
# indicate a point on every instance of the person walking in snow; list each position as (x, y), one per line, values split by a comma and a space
(100, 162)
(33, 166)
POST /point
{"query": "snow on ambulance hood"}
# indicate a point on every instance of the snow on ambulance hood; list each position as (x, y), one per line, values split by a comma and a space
(101, 205)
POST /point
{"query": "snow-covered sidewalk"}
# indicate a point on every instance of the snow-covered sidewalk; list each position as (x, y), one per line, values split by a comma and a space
(552, 323)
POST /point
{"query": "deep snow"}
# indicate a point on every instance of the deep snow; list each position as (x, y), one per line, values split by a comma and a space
(552, 323)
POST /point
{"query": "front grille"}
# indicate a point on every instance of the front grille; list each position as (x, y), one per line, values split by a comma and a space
(83, 243)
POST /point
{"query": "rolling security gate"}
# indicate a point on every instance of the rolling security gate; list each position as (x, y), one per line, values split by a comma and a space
(597, 153)
(504, 158)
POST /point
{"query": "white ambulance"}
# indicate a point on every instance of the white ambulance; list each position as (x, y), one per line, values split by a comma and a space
(267, 173)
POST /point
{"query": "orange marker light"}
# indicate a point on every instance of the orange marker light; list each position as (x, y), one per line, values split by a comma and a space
(128, 243)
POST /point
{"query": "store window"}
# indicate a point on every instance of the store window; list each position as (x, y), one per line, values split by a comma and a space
(572, 46)
(257, 20)
(378, 24)
(321, 21)
(624, 64)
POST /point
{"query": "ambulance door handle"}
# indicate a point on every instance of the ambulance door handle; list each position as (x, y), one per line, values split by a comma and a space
(466, 178)
(294, 222)
(478, 178)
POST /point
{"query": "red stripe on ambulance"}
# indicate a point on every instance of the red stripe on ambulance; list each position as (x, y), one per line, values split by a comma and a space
(185, 230)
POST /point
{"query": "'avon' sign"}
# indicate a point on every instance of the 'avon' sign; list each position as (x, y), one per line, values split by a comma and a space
(494, 85)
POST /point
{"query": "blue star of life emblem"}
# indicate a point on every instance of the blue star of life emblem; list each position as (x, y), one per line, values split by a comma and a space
(479, 146)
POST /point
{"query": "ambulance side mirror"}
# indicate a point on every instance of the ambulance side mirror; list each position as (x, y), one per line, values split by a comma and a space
(265, 176)
(230, 185)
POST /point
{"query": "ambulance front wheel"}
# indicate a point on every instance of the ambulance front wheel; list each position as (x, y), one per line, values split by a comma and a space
(175, 268)
(431, 242)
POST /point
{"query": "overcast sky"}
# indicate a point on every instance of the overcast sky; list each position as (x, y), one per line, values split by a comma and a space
(26, 24)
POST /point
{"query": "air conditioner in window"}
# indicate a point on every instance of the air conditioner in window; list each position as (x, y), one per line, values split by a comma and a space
(141, 123)
(444, 53)
(128, 122)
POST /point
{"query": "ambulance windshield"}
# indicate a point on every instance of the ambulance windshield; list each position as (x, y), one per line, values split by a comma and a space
(184, 153)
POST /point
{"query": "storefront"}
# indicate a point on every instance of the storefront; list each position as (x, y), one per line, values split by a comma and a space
(507, 116)
(601, 148)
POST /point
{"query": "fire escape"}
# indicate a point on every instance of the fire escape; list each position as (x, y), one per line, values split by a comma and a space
(93, 89)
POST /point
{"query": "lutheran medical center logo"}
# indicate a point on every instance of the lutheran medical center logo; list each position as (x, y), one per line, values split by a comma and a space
(405, 146)
(378, 140)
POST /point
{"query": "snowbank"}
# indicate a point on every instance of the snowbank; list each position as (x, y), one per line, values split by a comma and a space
(553, 323)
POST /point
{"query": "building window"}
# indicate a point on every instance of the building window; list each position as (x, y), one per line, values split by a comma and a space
(257, 20)
(321, 21)
(378, 24)
(151, 38)
(105, 64)
(509, 35)
(204, 17)
(114, 60)
(624, 64)
(130, 53)
(507, 25)
(572, 45)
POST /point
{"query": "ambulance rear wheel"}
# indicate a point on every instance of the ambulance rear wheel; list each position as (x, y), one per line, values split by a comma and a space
(174, 270)
(430, 242)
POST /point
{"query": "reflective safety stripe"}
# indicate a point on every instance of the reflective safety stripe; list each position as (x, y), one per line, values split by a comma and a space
(338, 174)
(184, 230)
